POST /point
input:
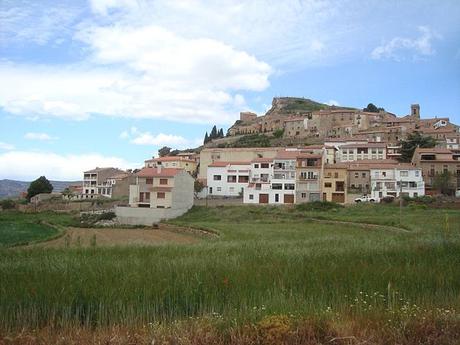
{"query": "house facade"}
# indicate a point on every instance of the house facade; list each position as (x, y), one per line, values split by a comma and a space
(98, 183)
(162, 188)
(334, 185)
(173, 162)
(227, 178)
(435, 161)
(399, 180)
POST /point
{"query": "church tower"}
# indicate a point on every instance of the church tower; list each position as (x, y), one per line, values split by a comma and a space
(415, 111)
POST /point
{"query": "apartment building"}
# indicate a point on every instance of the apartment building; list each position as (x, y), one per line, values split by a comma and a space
(246, 154)
(227, 178)
(433, 161)
(401, 179)
(162, 188)
(359, 180)
(361, 151)
(334, 185)
(308, 177)
(97, 182)
(173, 162)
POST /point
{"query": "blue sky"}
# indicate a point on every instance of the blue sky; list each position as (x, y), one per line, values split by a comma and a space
(108, 82)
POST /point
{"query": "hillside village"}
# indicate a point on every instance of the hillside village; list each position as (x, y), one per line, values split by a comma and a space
(357, 157)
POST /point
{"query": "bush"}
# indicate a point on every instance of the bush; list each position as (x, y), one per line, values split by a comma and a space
(387, 199)
(424, 199)
(318, 206)
(106, 216)
(7, 204)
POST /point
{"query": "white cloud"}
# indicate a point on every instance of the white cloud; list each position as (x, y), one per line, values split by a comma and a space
(38, 136)
(145, 72)
(26, 165)
(333, 102)
(400, 47)
(146, 138)
(6, 146)
(36, 21)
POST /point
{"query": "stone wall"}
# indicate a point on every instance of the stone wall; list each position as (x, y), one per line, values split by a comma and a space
(146, 216)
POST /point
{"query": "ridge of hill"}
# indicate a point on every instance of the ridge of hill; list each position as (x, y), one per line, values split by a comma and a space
(14, 188)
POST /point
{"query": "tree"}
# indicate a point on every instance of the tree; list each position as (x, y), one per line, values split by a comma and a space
(40, 185)
(221, 133)
(413, 141)
(213, 134)
(278, 133)
(444, 183)
(371, 108)
(164, 151)
(206, 138)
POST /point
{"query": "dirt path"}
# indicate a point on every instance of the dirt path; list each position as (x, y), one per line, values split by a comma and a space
(86, 237)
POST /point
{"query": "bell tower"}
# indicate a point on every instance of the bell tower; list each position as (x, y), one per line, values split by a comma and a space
(415, 111)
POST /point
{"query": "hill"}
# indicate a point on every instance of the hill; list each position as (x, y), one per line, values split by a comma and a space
(13, 188)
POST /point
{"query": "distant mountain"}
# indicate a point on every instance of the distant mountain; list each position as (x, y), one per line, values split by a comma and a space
(12, 188)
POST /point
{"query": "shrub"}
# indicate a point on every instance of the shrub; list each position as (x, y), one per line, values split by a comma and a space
(387, 199)
(318, 206)
(7, 204)
(106, 216)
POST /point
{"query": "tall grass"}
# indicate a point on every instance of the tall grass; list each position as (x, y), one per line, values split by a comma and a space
(266, 261)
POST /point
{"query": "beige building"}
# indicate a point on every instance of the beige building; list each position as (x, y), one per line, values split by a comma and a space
(173, 162)
(162, 188)
(359, 180)
(335, 183)
(434, 161)
(97, 182)
(211, 155)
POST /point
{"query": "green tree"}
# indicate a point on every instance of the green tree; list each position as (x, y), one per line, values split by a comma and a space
(278, 133)
(40, 185)
(220, 134)
(206, 138)
(413, 141)
(371, 108)
(164, 151)
(213, 134)
(198, 186)
(444, 183)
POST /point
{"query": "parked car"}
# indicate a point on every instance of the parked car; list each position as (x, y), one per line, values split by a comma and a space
(365, 198)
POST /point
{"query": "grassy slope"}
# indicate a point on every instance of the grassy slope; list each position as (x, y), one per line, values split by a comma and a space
(267, 260)
(22, 228)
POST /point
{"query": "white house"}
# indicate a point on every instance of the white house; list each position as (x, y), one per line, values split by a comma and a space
(402, 179)
(280, 187)
(227, 178)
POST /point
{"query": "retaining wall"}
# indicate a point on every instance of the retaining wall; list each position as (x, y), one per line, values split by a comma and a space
(146, 216)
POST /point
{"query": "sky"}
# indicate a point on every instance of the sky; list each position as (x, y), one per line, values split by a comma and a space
(107, 82)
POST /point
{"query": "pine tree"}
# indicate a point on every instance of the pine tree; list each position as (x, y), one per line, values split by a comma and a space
(213, 134)
(206, 138)
(221, 133)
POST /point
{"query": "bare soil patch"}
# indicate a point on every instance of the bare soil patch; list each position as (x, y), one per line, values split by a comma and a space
(106, 237)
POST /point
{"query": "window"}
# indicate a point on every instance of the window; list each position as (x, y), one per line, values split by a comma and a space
(404, 173)
(147, 196)
(363, 175)
(289, 186)
(277, 197)
(303, 195)
(277, 186)
(264, 165)
(336, 175)
(243, 179)
(163, 181)
(219, 189)
(327, 185)
(340, 186)
(217, 177)
(251, 196)
(231, 178)
(384, 173)
(256, 166)
(356, 175)
(161, 195)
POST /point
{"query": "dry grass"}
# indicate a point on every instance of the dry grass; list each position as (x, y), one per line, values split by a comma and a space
(271, 330)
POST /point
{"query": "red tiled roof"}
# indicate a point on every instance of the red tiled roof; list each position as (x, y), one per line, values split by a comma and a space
(432, 150)
(262, 160)
(158, 172)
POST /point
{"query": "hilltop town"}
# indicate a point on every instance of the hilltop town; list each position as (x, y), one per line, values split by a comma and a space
(304, 151)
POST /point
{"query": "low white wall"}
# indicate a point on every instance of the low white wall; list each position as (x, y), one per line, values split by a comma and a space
(146, 216)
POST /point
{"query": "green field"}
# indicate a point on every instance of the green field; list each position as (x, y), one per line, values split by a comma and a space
(266, 261)
(17, 228)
